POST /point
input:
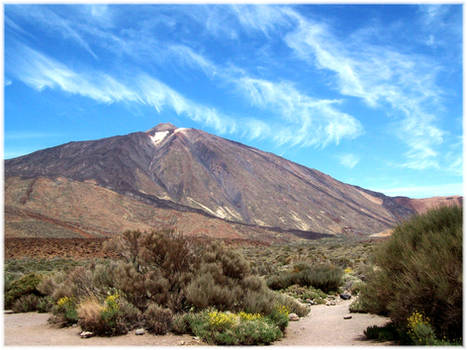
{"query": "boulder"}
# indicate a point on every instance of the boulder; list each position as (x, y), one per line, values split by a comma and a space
(140, 331)
(293, 317)
(345, 296)
(86, 334)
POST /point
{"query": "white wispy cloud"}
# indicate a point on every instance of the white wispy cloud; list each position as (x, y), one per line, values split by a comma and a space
(265, 18)
(299, 119)
(308, 121)
(159, 95)
(40, 71)
(431, 13)
(348, 160)
(189, 57)
(52, 22)
(8, 82)
(9, 23)
(379, 76)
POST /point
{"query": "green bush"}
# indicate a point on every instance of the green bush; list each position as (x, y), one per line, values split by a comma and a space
(31, 302)
(256, 332)
(280, 317)
(357, 306)
(45, 304)
(385, 333)
(167, 271)
(281, 281)
(115, 316)
(26, 303)
(420, 269)
(157, 319)
(225, 328)
(25, 285)
(64, 311)
(325, 277)
(181, 323)
(304, 293)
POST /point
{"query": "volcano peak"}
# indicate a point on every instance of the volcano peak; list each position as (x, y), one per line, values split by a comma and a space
(162, 127)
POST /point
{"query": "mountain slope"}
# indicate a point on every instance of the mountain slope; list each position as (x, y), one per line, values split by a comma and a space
(189, 170)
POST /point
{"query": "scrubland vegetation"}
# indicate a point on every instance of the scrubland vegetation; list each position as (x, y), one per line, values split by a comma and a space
(164, 282)
(417, 281)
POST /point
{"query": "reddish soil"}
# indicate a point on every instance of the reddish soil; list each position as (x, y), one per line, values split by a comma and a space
(73, 248)
(77, 248)
(422, 205)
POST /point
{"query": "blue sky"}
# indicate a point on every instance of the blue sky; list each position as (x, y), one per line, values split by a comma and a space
(371, 95)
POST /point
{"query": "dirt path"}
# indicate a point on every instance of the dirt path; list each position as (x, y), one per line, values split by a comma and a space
(32, 329)
(325, 325)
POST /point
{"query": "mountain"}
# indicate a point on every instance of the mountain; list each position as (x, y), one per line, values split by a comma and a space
(421, 205)
(207, 184)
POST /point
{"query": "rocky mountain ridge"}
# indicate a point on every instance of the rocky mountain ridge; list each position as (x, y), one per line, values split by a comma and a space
(190, 171)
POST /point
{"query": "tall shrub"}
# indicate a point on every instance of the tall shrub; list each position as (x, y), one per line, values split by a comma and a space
(419, 269)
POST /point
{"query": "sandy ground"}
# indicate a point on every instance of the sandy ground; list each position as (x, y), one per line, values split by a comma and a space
(325, 325)
(32, 329)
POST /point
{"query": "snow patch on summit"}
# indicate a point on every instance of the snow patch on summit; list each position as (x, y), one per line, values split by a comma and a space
(158, 137)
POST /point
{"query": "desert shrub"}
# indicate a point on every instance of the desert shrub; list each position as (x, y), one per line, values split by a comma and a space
(280, 316)
(304, 293)
(356, 306)
(356, 287)
(256, 332)
(129, 315)
(203, 291)
(89, 314)
(225, 328)
(266, 301)
(25, 285)
(162, 272)
(114, 316)
(64, 312)
(291, 304)
(157, 319)
(45, 304)
(26, 266)
(281, 281)
(76, 284)
(156, 264)
(9, 278)
(325, 277)
(80, 281)
(181, 323)
(26, 303)
(420, 269)
(420, 330)
(47, 285)
(387, 332)
(131, 283)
